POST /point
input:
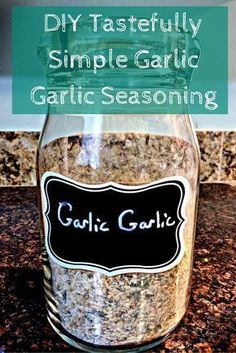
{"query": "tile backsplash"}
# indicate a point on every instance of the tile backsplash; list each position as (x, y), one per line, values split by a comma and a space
(18, 155)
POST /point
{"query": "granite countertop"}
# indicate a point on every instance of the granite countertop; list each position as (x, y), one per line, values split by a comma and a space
(209, 323)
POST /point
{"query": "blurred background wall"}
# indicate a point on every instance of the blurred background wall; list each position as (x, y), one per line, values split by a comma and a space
(9, 122)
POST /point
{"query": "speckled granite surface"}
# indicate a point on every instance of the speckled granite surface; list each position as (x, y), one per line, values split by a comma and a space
(210, 144)
(208, 326)
(17, 157)
(228, 164)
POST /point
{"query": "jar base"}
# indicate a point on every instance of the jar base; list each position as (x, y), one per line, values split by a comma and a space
(91, 348)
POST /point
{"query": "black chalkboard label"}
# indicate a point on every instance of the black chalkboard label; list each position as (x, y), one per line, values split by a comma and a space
(112, 228)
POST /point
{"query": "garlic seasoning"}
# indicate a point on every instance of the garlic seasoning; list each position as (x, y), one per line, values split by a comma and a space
(118, 199)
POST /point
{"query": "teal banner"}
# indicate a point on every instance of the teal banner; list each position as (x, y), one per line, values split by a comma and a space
(120, 60)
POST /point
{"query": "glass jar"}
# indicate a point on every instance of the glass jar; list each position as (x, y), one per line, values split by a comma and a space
(118, 204)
